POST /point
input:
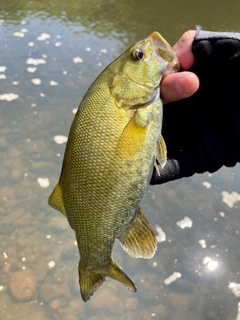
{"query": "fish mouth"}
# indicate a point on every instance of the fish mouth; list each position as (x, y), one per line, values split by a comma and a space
(164, 53)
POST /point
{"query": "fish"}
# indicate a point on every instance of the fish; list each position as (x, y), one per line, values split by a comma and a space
(113, 145)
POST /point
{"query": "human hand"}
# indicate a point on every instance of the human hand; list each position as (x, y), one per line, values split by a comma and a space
(179, 85)
(202, 132)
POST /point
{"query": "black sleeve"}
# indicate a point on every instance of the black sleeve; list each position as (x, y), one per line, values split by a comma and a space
(202, 133)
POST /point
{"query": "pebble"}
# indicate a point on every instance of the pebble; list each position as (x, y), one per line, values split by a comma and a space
(77, 60)
(31, 69)
(35, 62)
(207, 184)
(43, 182)
(36, 81)
(172, 278)
(51, 264)
(185, 223)
(230, 198)
(44, 36)
(59, 139)
(9, 96)
(19, 34)
(55, 304)
(53, 83)
(74, 111)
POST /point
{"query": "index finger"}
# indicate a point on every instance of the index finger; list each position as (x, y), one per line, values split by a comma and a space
(183, 49)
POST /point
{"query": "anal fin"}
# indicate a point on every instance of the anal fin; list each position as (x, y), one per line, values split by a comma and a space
(138, 239)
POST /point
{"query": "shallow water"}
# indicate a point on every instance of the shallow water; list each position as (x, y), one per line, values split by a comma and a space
(71, 43)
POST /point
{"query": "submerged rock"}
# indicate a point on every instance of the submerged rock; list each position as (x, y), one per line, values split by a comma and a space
(23, 285)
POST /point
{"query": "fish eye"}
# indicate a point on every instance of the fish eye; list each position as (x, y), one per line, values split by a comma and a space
(138, 54)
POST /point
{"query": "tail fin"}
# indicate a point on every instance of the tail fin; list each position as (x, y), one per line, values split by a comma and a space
(116, 273)
(90, 281)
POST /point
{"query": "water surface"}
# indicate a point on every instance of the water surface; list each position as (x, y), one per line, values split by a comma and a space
(50, 53)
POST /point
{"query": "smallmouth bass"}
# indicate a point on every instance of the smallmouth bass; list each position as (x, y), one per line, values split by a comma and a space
(114, 142)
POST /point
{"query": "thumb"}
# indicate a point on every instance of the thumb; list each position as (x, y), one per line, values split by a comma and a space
(179, 85)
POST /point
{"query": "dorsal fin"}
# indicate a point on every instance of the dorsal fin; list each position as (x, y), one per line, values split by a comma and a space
(56, 199)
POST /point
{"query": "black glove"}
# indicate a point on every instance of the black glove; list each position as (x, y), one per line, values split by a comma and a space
(202, 133)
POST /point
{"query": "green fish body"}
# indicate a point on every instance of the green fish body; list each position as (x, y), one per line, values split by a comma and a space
(114, 142)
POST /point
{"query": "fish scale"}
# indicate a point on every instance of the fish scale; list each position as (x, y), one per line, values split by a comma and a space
(114, 141)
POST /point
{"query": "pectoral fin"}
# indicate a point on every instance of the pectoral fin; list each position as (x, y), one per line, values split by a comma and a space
(132, 138)
(138, 239)
(161, 154)
(56, 199)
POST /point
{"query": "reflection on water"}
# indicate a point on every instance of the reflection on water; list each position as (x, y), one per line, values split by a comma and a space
(50, 53)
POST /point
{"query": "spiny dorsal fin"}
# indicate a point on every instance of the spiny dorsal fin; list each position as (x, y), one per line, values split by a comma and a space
(56, 199)
(161, 154)
(138, 239)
